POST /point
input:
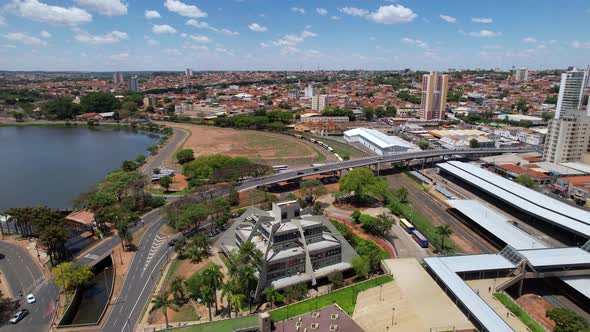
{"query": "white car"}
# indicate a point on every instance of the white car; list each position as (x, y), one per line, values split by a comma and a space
(31, 298)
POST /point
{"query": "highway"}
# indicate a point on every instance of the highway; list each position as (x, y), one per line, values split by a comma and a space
(24, 275)
(166, 152)
(285, 176)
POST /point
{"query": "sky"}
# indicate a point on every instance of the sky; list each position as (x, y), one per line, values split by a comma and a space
(119, 35)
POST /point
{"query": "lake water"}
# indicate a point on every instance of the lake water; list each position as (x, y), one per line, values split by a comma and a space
(52, 165)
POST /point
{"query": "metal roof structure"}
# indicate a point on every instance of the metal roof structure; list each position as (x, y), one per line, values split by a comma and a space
(579, 283)
(566, 257)
(480, 311)
(496, 224)
(525, 199)
(585, 168)
(380, 139)
(470, 263)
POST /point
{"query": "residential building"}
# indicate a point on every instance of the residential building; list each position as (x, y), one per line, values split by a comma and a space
(308, 92)
(521, 75)
(338, 119)
(322, 125)
(188, 72)
(134, 84)
(293, 94)
(434, 96)
(568, 134)
(319, 102)
(296, 248)
(150, 101)
(574, 187)
(118, 78)
(378, 142)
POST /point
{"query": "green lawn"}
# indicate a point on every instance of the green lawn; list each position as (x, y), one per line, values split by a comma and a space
(518, 312)
(339, 147)
(345, 298)
(228, 325)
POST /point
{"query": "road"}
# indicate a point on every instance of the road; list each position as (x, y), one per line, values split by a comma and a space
(143, 274)
(166, 152)
(285, 176)
(25, 275)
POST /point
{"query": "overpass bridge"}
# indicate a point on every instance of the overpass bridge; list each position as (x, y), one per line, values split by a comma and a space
(377, 161)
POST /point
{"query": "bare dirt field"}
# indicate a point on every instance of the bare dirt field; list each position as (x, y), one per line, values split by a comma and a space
(537, 307)
(263, 147)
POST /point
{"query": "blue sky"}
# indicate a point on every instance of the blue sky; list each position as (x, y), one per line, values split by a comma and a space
(106, 35)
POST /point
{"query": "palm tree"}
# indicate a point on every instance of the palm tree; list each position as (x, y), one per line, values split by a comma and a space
(193, 252)
(213, 277)
(272, 295)
(162, 302)
(236, 299)
(208, 297)
(202, 242)
(248, 278)
(177, 288)
(227, 290)
(444, 231)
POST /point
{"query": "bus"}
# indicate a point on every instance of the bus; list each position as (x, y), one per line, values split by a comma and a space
(420, 239)
(330, 149)
(409, 228)
(297, 136)
(312, 140)
(280, 168)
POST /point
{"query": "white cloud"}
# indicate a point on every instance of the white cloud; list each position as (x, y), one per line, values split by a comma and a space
(40, 12)
(205, 25)
(321, 11)
(224, 51)
(104, 7)
(2, 20)
(151, 41)
(448, 19)
(298, 10)
(264, 45)
(482, 20)
(172, 51)
(151, 14)
(529, 40)
(183, 9)
(45, 34)
(335, 18)
(581, 45)
(292, 40)
(482, 33)
(119, 56)
(200, 48)
(162, 28)
(416, 42)
(108, 38)
(257, 27)
(228, 32)
(24, 39)
(200, 38)
(390, 14)
(7, 46)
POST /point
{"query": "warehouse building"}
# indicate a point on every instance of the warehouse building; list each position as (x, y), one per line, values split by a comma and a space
(378, 142)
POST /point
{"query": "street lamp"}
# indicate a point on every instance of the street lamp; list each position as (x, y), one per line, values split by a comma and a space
(380, 290)
(392, 316)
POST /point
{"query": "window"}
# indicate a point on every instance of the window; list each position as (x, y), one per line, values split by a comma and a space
(315, 326)
(315, 314)
(333, 327)
(334, 316)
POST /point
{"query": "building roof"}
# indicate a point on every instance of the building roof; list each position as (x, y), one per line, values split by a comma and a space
(558, 168)
(496, 224)
(578, 180)
(579, 283)
(585, 168)
(525, 199)
(523, 171)
(556, 257)
(380, 139)
(479, 310)
(324, 318)
(483, 262)
(82, 216)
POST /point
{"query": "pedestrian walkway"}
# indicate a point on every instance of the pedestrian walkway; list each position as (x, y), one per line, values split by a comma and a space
(485, 289)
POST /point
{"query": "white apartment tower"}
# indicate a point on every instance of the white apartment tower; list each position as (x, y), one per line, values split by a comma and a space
(118, 78)
(188, 72)
(319, 102)
(568, 134)
(521, 75)
(308, 92)
(134, 84)
(434, 96)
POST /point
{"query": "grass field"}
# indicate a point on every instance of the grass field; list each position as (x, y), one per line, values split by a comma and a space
(518, 312)
(345, 298)
(340, 147)
(228, 325)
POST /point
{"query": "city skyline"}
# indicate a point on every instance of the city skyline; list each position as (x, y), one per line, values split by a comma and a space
(88, 35)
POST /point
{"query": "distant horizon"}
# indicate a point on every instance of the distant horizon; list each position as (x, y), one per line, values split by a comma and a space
(265, 35)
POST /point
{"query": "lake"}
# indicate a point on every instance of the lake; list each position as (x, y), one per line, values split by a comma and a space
(52, 165)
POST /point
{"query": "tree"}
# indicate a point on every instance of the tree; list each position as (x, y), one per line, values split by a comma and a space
(165, 182)
(423, 145)
(163, 303)
(473, 143)
(312, 189)
(129, 165)
(140, 159)
(272, 295)
(228, 290)
(402, 194)
(362, 182)
(361, 267)
(369, 113)
(345, 155)
(380, 225)
(99, 102)
(444, 231)
(525, 180)
(213, 277)
(567, 320)
(336, 279)
(356, 215)
(60, 109)
(296, 292)
(177, 289)
(69, 275)
(185, 155)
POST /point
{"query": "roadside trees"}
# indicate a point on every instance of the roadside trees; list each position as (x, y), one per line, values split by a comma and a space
(162, 302)
(312, 189)
(184, 156)
(165, 182)
(69, 275)
(363, 184)
(444, 232)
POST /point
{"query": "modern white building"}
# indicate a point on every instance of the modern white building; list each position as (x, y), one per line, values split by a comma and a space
(188, 72)
(118, 78)
(521, 75)
(319, 102)
(296, 248)
(134, 84)
(568, 135)
(434, 96)
(378, 142)
(308, 92)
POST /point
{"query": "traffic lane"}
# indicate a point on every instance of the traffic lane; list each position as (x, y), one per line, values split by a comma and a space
(166, 152)
(135, 279)
(41, 312)
(21, 271)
